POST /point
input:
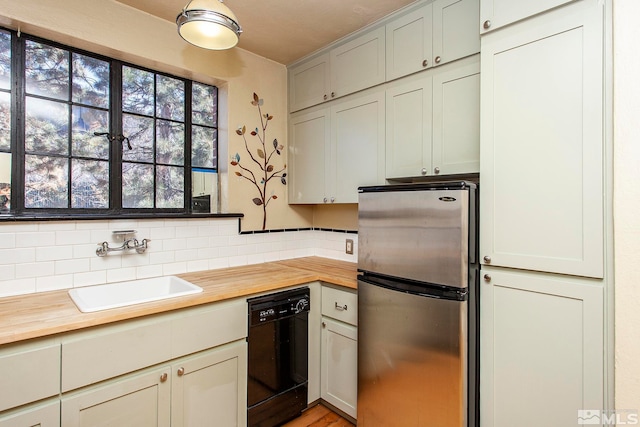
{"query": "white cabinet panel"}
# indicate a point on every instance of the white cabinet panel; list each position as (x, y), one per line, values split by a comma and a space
(309, 83)
(433, 122)
(541, 348)
(37, 415)
(340, 304)
(434, 34)
(138, 400)
(358, 64)
(357, 137)
(30, 372)
(456, 119)
(495, 14)
(339, 362)
(542, 143)
(409, 125)
(211, 386)
(409, 45)
(455, 30)
(335, 150)
(309, 155)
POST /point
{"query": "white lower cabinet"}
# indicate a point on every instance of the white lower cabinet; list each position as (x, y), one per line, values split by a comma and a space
(46, 414)
(210, 388)
(541, 348)
(141, 399)
(339, 350)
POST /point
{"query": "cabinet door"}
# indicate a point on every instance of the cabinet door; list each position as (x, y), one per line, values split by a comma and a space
(357, 128)
(541, 347)
(358, 64)
(408, 44)
(211, 386)
(132, 401)
(456, 118)
(498, 13)
(309, 152)
(309, 83)
(455, 30)
(409, 122)
(339, 365)
(41, 415)
(542, 143)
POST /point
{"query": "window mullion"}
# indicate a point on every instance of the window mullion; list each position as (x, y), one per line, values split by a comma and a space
(116, 129)
(17, 123)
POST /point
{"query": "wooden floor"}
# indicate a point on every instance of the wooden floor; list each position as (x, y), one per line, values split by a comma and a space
(319, 416)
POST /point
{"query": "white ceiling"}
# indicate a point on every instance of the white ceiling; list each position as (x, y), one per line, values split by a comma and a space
(287, 30)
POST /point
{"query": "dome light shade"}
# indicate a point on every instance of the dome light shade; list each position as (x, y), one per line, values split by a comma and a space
(209, 24)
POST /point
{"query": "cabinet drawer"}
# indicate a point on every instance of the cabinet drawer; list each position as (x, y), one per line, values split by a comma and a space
(340, 304)
(112, 350)
(30, 372)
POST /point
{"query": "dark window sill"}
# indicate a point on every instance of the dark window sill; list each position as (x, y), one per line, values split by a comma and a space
(54, 217)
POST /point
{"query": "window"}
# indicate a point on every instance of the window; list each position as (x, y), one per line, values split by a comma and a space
(83, 134)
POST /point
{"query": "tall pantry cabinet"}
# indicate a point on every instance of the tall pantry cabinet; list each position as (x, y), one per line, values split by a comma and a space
(543, 211)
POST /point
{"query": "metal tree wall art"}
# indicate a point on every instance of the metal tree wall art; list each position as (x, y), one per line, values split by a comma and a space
(261, 154)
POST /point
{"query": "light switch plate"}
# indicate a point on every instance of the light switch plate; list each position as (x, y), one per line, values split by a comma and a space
(349, 246)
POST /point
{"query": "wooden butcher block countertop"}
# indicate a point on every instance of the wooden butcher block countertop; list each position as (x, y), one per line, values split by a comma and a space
(38, 315)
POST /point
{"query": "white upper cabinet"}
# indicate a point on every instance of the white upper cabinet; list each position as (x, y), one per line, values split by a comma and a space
(434, 34)
(347, 68)
(542, 143)
(433, 122)
(498, 13)
(334, 150)
(358, 64)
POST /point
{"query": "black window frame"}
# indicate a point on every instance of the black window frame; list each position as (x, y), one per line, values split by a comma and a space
(115, 210)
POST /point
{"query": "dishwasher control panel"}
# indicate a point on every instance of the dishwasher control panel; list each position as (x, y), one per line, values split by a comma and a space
(277, 306)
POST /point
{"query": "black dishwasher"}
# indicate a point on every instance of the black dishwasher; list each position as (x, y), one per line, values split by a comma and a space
(277, 357)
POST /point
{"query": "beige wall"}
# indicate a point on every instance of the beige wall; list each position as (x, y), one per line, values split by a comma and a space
(627, 202)
(110, 28)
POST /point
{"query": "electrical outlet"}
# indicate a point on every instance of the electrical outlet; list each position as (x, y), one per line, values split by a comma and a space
(349, 246)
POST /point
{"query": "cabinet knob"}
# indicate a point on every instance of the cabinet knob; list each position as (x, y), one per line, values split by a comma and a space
(324, 325)
(487, 278)
(487, 259)
(180, 372)
(325, 97)
(333, 199)
(436, 170)
(325, 200)
(333, 94)
(486, 24)
(425, 63)
(437, 59)
(341, 307)
(163, 377)
(423, 171)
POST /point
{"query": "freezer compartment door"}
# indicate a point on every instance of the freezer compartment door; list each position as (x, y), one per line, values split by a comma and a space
(412, 359)
(417, 235)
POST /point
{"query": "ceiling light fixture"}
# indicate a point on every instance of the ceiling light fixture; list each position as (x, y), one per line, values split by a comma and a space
(209, 24)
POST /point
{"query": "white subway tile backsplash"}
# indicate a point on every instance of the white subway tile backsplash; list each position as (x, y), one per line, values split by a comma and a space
(53, 283)
(7, 240)
(31, 238)
(17, 287)
(72, 266)
(73, 237)
(121, 274)
(89, 278)
(49, 253)
(36, 257)
(35, 269)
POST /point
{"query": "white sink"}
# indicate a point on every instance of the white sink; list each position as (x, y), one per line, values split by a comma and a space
(120, 294)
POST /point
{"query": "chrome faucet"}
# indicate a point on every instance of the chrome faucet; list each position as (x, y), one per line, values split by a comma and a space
(139, 246)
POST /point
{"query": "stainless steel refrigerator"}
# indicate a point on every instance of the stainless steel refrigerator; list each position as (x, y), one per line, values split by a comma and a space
(418, 305)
